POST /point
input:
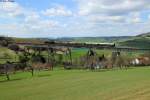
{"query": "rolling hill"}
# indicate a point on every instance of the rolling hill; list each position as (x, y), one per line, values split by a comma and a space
(139, 41)
(144, 35)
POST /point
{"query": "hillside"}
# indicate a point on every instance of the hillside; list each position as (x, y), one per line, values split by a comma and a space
(140, 41)
(144, 35)
(28, 40)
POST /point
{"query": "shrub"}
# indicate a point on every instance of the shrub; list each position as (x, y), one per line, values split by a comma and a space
(38, 58)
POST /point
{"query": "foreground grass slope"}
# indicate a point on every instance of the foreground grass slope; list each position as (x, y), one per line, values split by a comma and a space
(131, 84)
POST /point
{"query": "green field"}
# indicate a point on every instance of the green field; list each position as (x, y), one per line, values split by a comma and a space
(130, 84)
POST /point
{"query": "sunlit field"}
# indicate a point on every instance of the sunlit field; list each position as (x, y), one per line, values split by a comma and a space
(113, 84)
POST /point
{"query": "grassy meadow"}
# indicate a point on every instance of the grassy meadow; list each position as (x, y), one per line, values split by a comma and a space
(130, 84)
(113, 84)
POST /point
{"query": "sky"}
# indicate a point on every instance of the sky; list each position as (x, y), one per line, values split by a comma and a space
(74, 18)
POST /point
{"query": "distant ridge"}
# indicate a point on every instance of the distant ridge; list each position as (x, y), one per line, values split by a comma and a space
(144, 35)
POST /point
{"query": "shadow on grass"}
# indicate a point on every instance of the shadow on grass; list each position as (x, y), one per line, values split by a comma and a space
(44, 75)
(11, 80)
(4, 80)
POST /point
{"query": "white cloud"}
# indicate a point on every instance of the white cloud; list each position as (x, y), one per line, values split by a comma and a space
(134, 17)
(113, 10)
(57, 11)
(34, 21)
(93, 18)
(104, 18)
(148, 16)
(9, 9)
(111, 7)
(31, 22)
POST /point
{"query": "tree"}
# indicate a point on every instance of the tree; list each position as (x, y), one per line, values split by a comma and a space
(60, 58)
(38, 58)
(14, 47)
(5, 41)
(24, 58)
